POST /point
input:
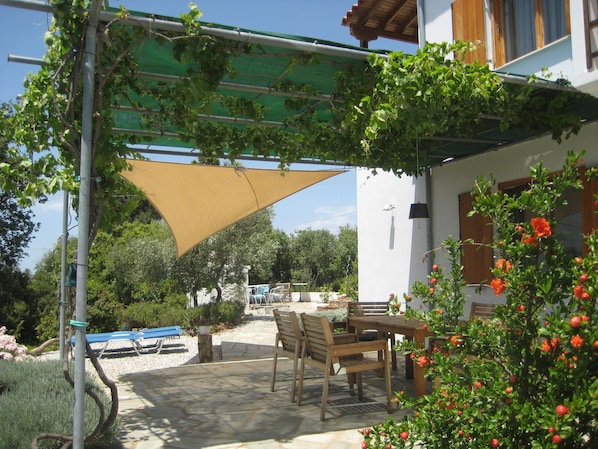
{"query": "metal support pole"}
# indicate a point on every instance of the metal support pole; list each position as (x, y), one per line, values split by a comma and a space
(63, 267)
(83, 234)
(430, 221)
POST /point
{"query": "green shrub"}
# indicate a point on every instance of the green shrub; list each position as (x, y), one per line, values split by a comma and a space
(333, 315)
(103, 314)
(349, 287)
(35, 398)
(214, 312)
(148, 314)
(228, 312)
(336, 317)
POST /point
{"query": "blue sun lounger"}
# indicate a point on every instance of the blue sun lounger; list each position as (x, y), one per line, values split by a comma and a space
(107, 337)
(159, 334)
(135, 338)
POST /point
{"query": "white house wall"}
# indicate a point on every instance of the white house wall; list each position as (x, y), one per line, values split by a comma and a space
(389, 242)
(506, 164)
(550, 62)
(438, 20)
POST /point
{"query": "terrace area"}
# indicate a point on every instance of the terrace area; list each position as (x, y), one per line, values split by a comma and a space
(227, 403)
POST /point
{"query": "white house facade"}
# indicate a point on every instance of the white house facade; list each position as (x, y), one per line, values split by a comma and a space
(561, 44)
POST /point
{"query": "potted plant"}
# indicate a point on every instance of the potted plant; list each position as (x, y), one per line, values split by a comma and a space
(199, 326)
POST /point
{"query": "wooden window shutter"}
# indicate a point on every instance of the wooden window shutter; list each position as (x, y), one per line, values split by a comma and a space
(477, 259)
(498, 33)
(468, 26)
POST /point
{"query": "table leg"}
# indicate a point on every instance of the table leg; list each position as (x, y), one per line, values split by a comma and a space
(420, 381)
(408, 363)
(408, 366)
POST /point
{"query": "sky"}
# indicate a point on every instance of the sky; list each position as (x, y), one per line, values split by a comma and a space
(327, 205)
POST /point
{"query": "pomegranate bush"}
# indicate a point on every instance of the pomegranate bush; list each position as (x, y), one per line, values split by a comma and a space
(528, 377)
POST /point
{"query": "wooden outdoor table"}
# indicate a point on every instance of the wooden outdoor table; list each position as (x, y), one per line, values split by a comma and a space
(411, 329)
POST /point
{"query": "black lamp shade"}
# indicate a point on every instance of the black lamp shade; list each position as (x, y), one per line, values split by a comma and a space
(419, 210)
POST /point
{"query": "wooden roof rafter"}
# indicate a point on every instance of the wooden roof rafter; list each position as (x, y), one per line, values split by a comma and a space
(393, 19)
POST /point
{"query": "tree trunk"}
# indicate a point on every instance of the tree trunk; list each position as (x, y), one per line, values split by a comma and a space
(218, 293)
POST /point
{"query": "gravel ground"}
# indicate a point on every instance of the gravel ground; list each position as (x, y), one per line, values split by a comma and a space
(119, 357)
(117, 360)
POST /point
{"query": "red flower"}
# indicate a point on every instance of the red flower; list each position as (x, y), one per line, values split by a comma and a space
(528, 239)
(576, 341)
(503, 265)
(550, 345)
(422, 361)
(541, 227)
(498, 285)
(457, 340)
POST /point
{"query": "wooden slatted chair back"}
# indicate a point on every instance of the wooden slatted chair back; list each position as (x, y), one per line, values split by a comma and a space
(367, 308)
(375, 308)
(289, 343)
(288, 328)
(318, 336)
(482, 311)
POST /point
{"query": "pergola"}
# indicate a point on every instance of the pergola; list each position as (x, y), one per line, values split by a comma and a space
(261, 75)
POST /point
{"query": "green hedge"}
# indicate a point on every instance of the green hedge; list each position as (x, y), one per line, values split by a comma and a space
(35, 398)
(222, 312)
(148, 314)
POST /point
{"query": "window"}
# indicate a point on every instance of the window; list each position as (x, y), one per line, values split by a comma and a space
(518, 27)
(522, 26)
(577, 218)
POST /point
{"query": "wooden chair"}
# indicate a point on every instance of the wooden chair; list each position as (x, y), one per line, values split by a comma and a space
(482, 311)
(289, 342)
(338, 359)
(374, 308)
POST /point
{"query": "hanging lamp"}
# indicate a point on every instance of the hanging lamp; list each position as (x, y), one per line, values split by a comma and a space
(418, 210)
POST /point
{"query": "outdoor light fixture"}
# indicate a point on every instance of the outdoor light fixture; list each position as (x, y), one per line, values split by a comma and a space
(388, 207)
(419, 210)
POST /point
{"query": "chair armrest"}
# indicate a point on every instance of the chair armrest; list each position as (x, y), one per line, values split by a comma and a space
(339, 350)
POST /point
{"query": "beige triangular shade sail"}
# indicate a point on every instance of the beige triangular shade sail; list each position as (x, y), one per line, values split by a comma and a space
(196, 201)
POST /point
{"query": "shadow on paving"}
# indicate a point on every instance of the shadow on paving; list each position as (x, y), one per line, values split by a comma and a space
(229, 403)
